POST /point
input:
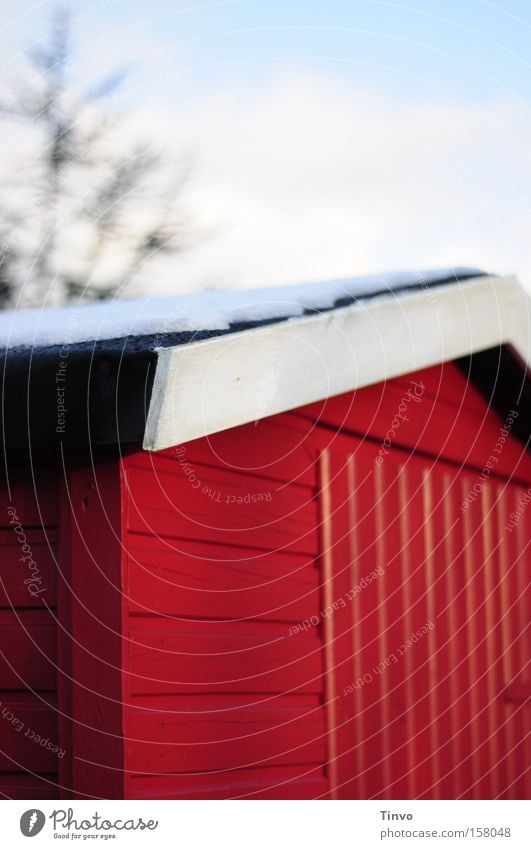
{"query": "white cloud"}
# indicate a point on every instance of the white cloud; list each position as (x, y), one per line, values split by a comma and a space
(309, 179)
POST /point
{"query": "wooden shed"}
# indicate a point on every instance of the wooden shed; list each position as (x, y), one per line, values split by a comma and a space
(268, 544)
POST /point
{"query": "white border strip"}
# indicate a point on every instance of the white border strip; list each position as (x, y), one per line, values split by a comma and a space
(205, 387)
(227, 824)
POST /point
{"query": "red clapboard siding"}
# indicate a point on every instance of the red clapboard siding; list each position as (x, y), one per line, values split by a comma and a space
(28, 635)
(215, 686)
(305, 782)
(21, 786)
(35, 501)
(26, 722)
(278, 448)
(224, 563)
(236, 737)
(394, 736)
(447, 383)
(433, 428)
(187, 579)
(97, 623)
(13, 572)
(515, 596)
(27, 650)
(222, 657)
(164, 502)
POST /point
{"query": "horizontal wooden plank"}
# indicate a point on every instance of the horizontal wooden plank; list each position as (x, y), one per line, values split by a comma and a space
(38, 567)
(278, 448)
(27, 650)
(193, 739)
(236, 511)
(305, 782)
(221, 657)
(31, 500)
(193, 582)
(28, 733)
(26, 786)
(211, 702)
(445, 382)
(432, 427)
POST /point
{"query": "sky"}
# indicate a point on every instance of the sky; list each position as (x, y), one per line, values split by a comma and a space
(330, 137)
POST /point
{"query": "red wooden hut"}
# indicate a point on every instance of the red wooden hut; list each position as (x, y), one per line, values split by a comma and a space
(268, 544)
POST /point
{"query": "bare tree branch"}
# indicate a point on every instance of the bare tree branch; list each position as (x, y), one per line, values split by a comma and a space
(85, 194)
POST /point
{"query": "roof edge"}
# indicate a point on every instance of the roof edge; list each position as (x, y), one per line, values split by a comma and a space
(209, 386)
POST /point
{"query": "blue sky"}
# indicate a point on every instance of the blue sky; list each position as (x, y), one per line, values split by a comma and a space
(465, 49)
(333, 137)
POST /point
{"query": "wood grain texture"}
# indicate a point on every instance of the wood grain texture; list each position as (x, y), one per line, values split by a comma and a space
(278, 448)
(444, 382)
(27, 740)
(201, 663)
(96, 615)
(429, 425)
(239, 735)
(188, 580)
(28, 634)
(33, 497)
(220, 505)
(218, 681)
(306, 782)
(28, 650)
(222, 657)
(27, 786)
(423, 716)
(14, 571)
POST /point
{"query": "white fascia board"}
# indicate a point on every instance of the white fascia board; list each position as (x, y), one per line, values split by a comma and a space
(205, 387)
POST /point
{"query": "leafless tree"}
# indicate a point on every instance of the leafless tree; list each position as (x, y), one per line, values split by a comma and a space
(90, 206)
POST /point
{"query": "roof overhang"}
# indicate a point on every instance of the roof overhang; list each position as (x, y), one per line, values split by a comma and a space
(123, 391)
(208, 386)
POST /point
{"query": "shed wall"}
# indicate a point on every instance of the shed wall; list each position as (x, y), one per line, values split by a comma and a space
(238, 545)
(222, 547)
(426, 696)
(202, 651)
(29, 724)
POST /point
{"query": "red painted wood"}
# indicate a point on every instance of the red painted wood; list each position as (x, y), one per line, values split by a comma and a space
(33, 497)
(277, 448)
(446, 383)
(216, 682)
(27, 786)
(226, 508)
(96, 615)
(305, 782)
(28, 650)
(230, 734)
(13, 590)
(28, 634)
(222, 657)
(194, 658)
(417, 574)
(433, 426)
(212, 589)
(430, 716)
(64, 641)
(516, 597)
(28, 734)
(192, 580)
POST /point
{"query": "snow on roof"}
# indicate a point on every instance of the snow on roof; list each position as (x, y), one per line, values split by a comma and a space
(227, 381)
(209, 310)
